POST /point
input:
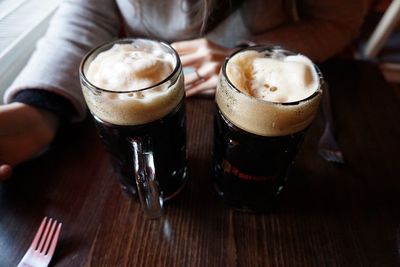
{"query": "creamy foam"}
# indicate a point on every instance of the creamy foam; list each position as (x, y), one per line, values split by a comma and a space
(276, 79)
(125, 69)
(266, 81)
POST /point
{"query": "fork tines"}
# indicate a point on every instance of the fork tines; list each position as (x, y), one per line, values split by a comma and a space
(49, 226)
(43, 245)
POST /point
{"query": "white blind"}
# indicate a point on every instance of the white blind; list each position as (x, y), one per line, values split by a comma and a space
(22, 23)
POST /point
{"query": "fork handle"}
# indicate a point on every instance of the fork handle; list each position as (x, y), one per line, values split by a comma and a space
(326, 106)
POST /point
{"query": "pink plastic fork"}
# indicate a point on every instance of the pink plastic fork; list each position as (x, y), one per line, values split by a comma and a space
(43, 245)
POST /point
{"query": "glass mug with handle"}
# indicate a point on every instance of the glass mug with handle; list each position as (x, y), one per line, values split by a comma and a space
(134, 89)
(266, 98)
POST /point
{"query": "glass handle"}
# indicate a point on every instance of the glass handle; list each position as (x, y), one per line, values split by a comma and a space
(145, 176)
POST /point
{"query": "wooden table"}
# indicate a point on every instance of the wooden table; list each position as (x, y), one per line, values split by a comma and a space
(330, 215)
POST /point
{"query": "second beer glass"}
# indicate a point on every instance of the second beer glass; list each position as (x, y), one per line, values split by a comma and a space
(266, 98)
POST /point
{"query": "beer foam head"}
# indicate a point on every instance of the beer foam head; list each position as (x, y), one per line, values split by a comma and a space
(277, 78)
(125, 67)
(269, 92)
(130, 81)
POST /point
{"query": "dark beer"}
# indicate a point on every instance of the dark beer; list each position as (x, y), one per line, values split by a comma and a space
(266, 98)
(134, 89)
(250, 170)
(168, 140)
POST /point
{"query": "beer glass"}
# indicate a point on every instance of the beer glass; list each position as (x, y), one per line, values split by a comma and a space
(143, 130)
(255, 141)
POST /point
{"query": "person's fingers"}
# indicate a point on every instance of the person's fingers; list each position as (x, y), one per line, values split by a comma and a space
(5, 171)
(192, 77)
(200, 50)
(192, 59)
(190, 46)
(208, 70)
(206, 58)
(207, 85)
(202, 56)
(204, 72)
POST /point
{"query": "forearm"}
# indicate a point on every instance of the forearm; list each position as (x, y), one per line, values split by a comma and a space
(323, 28)
(315, 39)
(59, 106)
(76, 27)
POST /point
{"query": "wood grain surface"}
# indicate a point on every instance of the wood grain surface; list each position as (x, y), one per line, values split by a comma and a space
(329, 215)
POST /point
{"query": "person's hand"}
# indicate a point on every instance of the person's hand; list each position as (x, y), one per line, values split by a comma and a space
(25, 131)
(206, 59)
